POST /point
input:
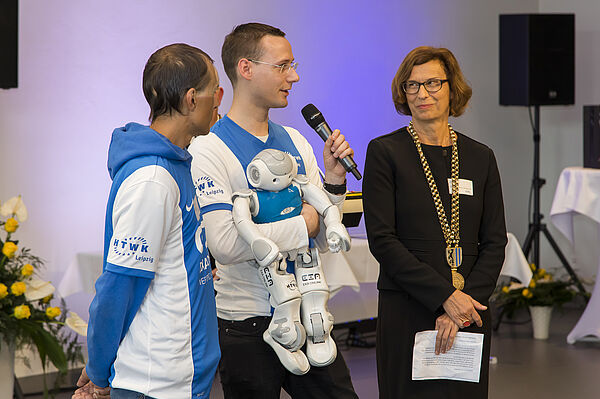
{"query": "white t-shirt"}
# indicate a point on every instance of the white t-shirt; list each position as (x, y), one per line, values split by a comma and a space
(218, 171)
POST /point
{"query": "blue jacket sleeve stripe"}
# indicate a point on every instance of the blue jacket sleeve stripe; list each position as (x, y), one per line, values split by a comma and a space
(217, 207)
(129, 271)
(118, 298)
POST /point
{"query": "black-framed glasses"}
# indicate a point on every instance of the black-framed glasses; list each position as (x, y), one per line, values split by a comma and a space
(283, 68)
(431, 85)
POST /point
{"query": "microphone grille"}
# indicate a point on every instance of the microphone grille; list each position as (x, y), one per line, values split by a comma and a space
(312, 116)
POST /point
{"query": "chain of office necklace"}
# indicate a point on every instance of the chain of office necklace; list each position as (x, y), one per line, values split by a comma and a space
(451, 233)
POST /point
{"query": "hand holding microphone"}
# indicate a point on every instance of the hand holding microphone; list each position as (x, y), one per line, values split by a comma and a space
(316, 120)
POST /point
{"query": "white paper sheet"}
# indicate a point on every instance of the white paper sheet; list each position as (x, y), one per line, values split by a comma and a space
(461, 363)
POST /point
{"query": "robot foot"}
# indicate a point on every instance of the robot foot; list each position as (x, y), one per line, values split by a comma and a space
(321, 354)
(295, 362)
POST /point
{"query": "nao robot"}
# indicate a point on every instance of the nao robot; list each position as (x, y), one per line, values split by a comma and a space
(279, 193)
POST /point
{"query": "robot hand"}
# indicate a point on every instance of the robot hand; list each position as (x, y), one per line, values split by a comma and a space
(338, 238)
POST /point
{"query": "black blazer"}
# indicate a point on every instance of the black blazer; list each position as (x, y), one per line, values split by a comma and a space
(403, 229)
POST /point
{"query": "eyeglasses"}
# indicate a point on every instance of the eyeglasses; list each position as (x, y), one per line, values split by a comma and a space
(431, 85)
(283, 68)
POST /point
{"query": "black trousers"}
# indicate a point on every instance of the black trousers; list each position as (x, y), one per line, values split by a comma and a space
(249, 368)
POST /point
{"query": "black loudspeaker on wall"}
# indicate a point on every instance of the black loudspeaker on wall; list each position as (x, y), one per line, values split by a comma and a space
(537, 59)
(8, 43)
(591, 136)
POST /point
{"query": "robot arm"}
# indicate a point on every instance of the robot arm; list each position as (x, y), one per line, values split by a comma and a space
(337, 236)
(244, 204)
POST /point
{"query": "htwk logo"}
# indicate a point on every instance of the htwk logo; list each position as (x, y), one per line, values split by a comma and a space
(137, 246)
(206, 186)
(207, 183)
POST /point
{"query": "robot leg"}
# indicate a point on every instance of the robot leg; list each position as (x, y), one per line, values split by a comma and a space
(318, 322)
(285, 333)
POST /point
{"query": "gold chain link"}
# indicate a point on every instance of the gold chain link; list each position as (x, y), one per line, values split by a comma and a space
(451, 233)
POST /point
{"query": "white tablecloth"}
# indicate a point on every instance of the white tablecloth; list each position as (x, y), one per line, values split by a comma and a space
(578, 191)
(350, 268)
(515, 264)
(81, 275)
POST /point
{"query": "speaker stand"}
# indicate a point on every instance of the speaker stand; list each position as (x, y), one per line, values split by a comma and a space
(537, 227)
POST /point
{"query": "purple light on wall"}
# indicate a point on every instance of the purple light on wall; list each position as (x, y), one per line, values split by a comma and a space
(347, 59)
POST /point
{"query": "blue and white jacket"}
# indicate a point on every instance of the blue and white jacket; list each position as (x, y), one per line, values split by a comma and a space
(153, 322)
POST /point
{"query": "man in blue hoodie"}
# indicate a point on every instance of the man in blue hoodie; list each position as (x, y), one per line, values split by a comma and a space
(153, 327)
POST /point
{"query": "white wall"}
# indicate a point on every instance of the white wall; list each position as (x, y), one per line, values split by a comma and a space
(80, 67)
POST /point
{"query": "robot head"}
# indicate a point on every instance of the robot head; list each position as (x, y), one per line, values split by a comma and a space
(272, 170)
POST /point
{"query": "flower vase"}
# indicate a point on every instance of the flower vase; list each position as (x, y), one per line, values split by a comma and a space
(7, 370)
(540, 319)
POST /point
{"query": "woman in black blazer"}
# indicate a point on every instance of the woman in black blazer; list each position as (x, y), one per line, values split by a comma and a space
(435, 222)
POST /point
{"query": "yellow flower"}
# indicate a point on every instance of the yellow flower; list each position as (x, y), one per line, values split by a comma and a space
(532, 267)
(526, 293)
(27, 270)
(3, 291)
(532, 284)
(505, 289)
(541, 272)
(18, 288)
(47, 299)
(11, 225)
(9, 249)
(52, 312)
(22, 312)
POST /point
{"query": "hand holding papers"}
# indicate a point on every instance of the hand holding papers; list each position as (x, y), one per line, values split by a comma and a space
(461, 363)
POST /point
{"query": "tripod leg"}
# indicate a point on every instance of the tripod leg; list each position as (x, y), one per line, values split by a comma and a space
(528, 240)
(496, 323)
(563, 259)
(17, 392)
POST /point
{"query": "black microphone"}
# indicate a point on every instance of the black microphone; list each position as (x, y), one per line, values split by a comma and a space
(315, 119)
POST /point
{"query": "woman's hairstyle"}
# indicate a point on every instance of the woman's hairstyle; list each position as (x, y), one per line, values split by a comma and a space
(170, 72)
(460, 91)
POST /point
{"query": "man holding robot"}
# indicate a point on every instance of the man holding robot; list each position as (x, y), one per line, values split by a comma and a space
(259, 62)
(278, 194)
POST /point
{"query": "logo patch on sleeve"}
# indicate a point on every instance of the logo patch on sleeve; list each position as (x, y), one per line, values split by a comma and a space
(205, 186)
(132, 246)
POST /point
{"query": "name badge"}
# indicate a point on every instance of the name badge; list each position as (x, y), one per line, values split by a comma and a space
(465, 186)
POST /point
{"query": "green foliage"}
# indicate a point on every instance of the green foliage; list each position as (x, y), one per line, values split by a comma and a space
(27, 318)
(543, 290)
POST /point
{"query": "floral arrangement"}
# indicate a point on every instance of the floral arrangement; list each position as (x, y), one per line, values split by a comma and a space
(27, 316)
(543, 290)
